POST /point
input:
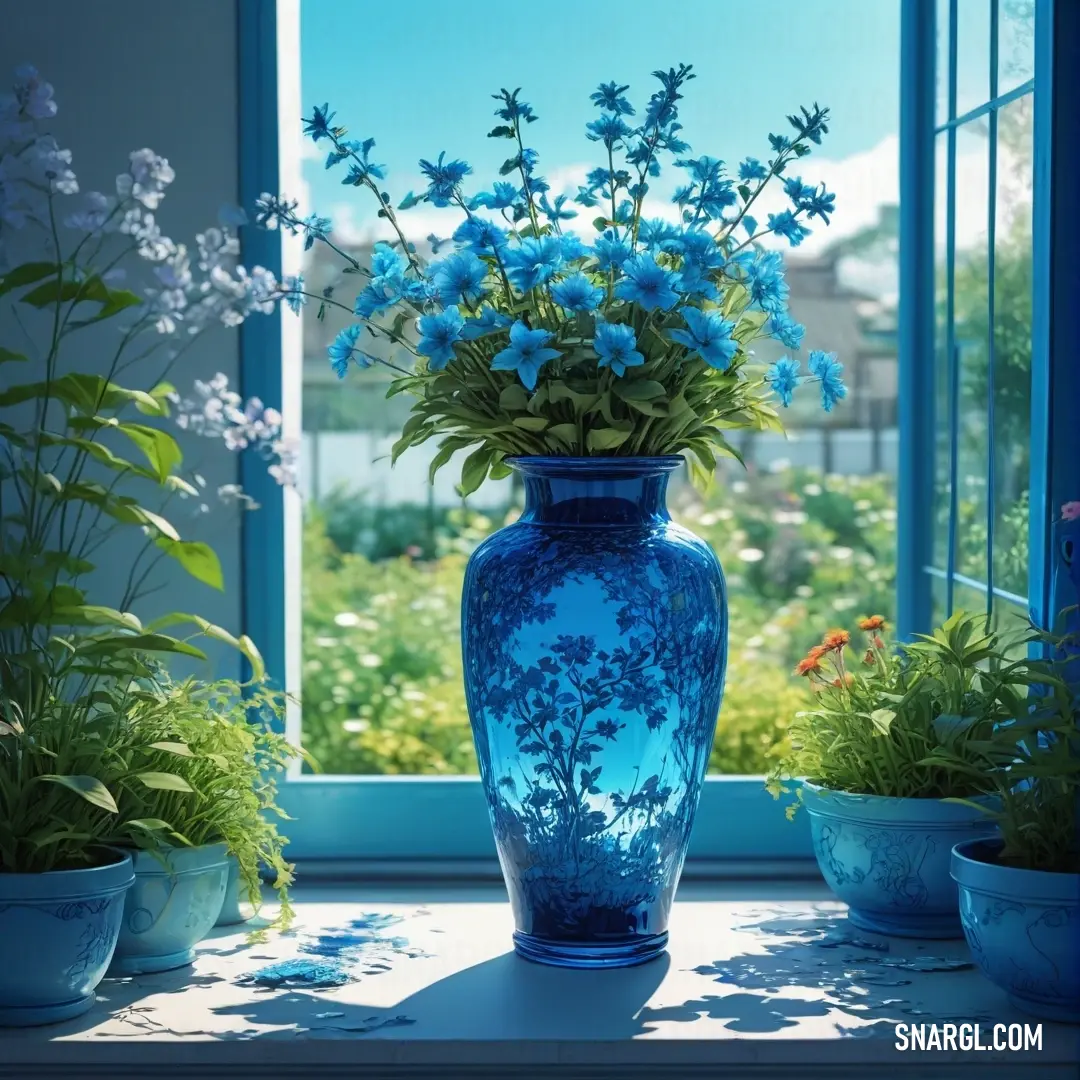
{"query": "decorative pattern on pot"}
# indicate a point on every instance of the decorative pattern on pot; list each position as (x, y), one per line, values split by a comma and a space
(59, 930)
(1023, 929)
(236, 907)
(173, 905)
(594, 635)
(888, 859)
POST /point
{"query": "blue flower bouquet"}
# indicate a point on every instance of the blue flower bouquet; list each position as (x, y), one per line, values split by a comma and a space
(532, 340)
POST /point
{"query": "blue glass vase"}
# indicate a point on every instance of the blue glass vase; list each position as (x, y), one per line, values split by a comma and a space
(594, 633)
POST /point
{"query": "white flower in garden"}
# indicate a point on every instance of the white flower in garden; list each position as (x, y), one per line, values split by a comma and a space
(751, 554)
(146, 179)
(50, 166)
(94, 215)
(33, 94)
(215, 247)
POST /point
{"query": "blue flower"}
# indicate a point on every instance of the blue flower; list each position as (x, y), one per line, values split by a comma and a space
(436, 242)
(526, 353)
(362, 168)
(701, 257)
(572, 248)
(752, 169)
(787, 225)
(437, 336)
(487, 322)
(501, 196)
(386, 264)
(577, 293)
(616, 347)
(480, 236)
(375, 298)
(658, 234)
(709, 335)
(779, 143)
(315, 228)
(512, 108)
(610, 97)
(784, 377)
(294, 293)
(829, 372)
(342, 348)
(785, 329)
(648, 284)
(460, 277)
(556, 212)
(765, 277)
(611, 251)
(610, 129)
(444, 179)
(318, 126)
(796, 190)
(535, 261)
(820, 203)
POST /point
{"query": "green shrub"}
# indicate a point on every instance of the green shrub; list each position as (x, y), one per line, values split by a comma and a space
(382, 683)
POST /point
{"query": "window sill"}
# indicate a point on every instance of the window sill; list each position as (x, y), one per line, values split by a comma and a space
(761, 978)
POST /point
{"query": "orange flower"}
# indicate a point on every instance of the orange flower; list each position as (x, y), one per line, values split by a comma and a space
(875, 622)
(808, 664)
(817, 651)
(835, 640)
(869, 659)
(848, 681)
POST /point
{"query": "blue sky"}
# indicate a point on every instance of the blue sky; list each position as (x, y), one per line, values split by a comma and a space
(418, 76)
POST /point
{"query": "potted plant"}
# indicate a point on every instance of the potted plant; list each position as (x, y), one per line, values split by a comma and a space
(1020, 889)
(84, 462)
(217, 743)
(594, 364)
(883, 807)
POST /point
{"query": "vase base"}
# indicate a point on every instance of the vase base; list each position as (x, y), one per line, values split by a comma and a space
(592, 954)
(1065, 1012)
(148, 965)
(36, 1015)
(910, 925)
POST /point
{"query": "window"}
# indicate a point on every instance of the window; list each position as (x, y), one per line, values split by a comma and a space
(352, 592)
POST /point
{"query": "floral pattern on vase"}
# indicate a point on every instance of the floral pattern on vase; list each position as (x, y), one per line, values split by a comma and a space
(594, 634)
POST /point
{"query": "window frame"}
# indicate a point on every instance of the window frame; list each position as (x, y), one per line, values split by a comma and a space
(434, 819)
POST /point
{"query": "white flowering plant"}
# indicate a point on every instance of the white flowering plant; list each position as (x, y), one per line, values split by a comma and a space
(529, 339)
(83, 454)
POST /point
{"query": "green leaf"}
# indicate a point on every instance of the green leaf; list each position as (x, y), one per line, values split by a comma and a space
(6, 356)
(26, 274)
(514, 398)
(151, 825)
(160, 394)
(88, 787)
(447, 448)
(605, 438)
(160, 449)
(882, 720)
(114, 643)
(474, 470)
(198, 559)
(178, 748)
(96, 615)
(243, 644)
(567, 434)
(163, 781)
(530, 423)
(640, 390)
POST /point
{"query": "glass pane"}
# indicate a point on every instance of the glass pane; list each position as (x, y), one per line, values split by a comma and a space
(971, 336)
(1012, 344)
(972, 54)
(1007, 619)
(1016, 43)
(941, 67)
(941, 360)
(806, 533)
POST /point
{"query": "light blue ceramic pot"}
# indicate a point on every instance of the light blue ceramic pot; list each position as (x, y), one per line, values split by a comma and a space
(172, 906)
(237, 907)
(888, 859)
(1023, 929)
(57, 935)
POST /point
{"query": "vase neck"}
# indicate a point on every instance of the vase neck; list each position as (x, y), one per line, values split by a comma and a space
(596, 491)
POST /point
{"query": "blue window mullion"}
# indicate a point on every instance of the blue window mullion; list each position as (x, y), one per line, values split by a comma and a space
(915, 496)
(991, 352)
